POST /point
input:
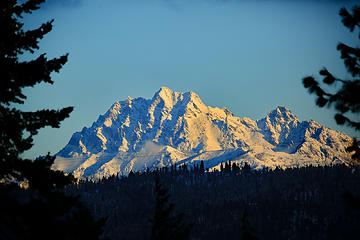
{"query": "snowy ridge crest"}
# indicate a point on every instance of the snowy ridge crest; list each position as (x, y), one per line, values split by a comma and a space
(175, 127)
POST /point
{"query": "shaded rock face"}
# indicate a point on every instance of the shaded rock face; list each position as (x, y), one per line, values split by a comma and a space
(175, 127)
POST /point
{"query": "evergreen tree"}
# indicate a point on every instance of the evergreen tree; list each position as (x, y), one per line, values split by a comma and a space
(185, 167)
(166, 225)
(246, 169)
(235, 168)
(346, 99)
(19, 127)
(247, 232)
(42, 211)
(202, 168)
(226, 167)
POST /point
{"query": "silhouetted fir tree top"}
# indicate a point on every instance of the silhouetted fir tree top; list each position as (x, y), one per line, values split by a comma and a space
(347, 98)
(202, 168)
(42, 211)
(19, 127)
(165, 224)
(246, 168)
(247, 232)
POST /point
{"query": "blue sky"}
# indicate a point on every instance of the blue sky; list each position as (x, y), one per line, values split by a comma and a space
(248, 56)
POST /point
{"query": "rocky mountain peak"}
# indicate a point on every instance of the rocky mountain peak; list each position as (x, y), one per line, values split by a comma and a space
(170, 98)
(282, 114)
(166, 94)
(175, 127)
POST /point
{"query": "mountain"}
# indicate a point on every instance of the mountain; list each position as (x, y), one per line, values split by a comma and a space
(175, 127)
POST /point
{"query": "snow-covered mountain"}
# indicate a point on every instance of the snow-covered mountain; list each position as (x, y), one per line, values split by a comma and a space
(175, 127)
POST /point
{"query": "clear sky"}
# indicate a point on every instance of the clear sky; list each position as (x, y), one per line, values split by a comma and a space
(248, 56)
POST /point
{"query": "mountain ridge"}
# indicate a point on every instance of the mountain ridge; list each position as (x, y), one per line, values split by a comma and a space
(175, 127)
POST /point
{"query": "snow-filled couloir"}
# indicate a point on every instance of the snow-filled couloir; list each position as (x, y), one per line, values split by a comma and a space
(175, 127)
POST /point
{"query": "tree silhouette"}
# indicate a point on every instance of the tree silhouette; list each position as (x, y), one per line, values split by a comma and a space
(42, 211)
(19, 127)
(247, 232)
(346, 99)
(202, 167)
(166, 225)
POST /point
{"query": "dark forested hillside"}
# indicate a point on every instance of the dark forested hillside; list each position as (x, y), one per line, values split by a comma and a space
(300, 203)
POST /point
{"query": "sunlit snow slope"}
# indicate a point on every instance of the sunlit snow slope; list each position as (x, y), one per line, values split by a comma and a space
(175, 127)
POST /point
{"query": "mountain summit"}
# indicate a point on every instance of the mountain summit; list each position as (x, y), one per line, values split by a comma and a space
(175, 127)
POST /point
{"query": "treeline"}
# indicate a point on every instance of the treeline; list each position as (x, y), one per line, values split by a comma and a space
(299, 203)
